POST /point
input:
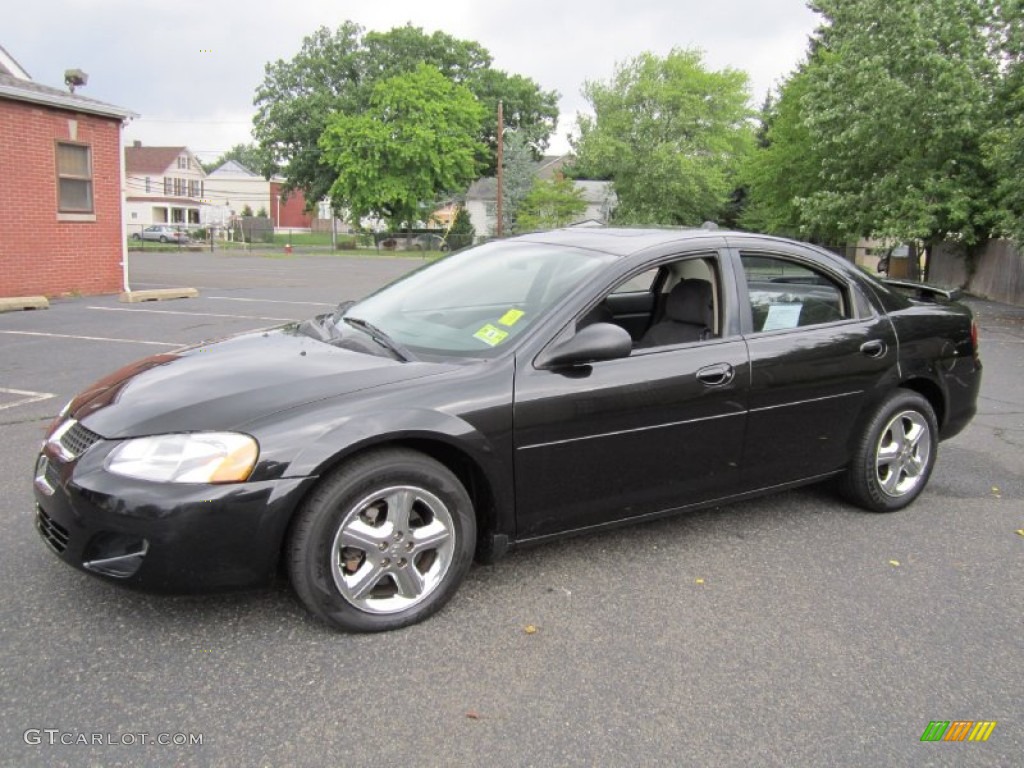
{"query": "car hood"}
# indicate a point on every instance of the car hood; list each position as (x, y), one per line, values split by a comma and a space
(224, 384)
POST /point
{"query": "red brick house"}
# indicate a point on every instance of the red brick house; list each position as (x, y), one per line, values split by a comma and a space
(61, 228)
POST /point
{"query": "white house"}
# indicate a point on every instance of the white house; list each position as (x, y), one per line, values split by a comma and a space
(230, 188)
(482, 198)
(165, 185)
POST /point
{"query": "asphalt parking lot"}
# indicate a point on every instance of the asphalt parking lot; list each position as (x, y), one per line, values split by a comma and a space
(787, 631)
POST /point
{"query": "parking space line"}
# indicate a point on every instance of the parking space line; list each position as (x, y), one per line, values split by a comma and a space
(95, 338)
(191, 314)
(274, 301)
(29, 397)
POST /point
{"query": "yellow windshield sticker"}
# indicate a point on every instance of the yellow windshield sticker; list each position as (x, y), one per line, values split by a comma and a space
(491, 335)
(511, 317)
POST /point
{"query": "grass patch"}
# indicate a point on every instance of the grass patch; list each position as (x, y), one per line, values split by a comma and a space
(303, 238)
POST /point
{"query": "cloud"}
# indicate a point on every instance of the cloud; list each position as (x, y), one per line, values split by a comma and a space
(198, 63)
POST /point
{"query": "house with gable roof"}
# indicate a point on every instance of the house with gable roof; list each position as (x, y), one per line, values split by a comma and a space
(482, 197)
(232, 186)
(164, 185)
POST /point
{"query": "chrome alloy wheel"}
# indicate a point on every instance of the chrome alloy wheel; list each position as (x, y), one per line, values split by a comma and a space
(902, 454)
(392, 549)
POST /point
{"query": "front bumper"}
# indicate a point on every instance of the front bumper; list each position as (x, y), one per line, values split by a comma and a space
(166, 537)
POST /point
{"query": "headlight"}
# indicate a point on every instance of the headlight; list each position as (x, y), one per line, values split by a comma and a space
(197, 457)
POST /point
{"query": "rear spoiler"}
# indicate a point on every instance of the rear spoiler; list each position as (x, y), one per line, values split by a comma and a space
(923, 291)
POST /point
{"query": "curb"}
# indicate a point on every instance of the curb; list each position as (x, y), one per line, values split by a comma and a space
(18, 303)
(158, 294)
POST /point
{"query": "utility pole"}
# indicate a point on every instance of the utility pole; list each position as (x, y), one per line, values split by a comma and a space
(501, 174)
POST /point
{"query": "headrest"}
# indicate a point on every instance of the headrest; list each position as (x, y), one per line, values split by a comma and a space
(691, 301)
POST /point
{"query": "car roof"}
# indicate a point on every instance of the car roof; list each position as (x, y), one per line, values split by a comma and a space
(618, 241)
(625, 241)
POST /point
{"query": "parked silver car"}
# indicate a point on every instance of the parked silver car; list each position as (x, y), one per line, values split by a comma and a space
(164, 233)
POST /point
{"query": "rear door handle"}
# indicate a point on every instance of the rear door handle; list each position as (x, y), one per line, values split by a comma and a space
(874, 348)
(716, 375)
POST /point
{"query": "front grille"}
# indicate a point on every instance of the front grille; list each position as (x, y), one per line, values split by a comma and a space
(55, 534)
(78, 440)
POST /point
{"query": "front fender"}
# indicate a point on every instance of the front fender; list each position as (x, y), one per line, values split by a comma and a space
(362, 431)
(445, 436)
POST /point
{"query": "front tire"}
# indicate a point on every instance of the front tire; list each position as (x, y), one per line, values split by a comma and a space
(383, 542)
(893, 458)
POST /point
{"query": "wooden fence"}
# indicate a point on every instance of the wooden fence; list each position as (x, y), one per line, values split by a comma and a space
(998, 272)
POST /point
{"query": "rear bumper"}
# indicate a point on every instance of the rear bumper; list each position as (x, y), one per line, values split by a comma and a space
(963, 384)
(162, 537)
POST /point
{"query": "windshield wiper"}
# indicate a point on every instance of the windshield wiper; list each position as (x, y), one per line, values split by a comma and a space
(380, 337)
(340, 310)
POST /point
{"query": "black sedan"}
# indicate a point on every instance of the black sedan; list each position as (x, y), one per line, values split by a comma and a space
(513, 392)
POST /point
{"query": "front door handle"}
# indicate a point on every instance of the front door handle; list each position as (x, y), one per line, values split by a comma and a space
(716, 375)
(874, 348)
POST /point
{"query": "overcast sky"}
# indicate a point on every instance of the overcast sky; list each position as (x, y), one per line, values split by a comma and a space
(190, 67)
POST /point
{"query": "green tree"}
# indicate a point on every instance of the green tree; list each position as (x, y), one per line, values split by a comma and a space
(337, 72)
(1004, 142)
(670, 134)
(461, 233)
(528, 111)
(517, 177)
(551, 204)
(784, 169)
(896, 104)
(416, 141)
(248, 155)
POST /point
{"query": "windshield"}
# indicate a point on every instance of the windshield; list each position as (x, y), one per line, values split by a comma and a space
(474, 302)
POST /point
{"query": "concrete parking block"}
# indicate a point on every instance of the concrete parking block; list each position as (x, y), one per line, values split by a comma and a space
(158, 294)
(18, 303)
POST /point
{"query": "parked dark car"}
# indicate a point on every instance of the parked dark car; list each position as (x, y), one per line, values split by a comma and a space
(510, 393)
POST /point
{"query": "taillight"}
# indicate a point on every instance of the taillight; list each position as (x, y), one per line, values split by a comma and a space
(974, 337)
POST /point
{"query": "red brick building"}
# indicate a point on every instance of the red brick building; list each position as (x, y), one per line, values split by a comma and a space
(288, 210)
(61, 228)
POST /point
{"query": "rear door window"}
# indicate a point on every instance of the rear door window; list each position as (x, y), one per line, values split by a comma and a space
(787, 294)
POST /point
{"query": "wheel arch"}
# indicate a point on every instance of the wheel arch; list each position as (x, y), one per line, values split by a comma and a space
(466, 454)
(922, 385)
(931, 392)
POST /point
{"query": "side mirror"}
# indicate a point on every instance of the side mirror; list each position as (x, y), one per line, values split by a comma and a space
(592, 344)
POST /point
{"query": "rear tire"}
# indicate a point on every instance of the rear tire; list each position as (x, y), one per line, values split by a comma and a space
(893, 458)
(383, 542)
